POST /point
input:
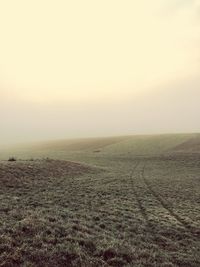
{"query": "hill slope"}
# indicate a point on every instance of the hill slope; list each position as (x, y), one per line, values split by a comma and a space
(122, 145)
(189, 146)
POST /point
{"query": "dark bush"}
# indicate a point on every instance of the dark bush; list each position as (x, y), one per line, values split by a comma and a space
(12, 159)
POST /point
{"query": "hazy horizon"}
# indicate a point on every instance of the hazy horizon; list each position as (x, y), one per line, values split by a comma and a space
(90, 69)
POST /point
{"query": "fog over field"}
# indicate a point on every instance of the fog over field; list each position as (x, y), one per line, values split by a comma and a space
(100, 133)
(81, 69)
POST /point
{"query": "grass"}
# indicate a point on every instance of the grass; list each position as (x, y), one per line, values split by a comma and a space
(119, 207)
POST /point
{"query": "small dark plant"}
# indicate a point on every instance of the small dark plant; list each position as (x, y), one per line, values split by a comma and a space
(12, 159)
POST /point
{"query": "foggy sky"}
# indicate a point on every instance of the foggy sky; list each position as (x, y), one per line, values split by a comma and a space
(89, 68)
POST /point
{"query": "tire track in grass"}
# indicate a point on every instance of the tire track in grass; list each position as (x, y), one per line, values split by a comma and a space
(140, 202)
(141, 207)
(166, 205)
(157, 238)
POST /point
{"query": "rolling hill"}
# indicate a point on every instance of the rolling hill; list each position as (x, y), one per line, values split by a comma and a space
(122, 145)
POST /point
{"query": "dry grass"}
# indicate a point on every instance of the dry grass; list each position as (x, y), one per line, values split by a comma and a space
(137, 211)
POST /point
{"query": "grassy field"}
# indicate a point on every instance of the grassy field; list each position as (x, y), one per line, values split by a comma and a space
(129, 201)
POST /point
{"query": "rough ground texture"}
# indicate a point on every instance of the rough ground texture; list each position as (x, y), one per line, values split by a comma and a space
(136, 211)
(18, 173)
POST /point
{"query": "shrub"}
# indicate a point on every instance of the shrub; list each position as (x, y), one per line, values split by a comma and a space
(12, 159)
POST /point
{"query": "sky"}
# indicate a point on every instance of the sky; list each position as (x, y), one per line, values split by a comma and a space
(98, 68)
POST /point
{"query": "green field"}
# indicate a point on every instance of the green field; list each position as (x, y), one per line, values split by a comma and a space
(117, 201)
